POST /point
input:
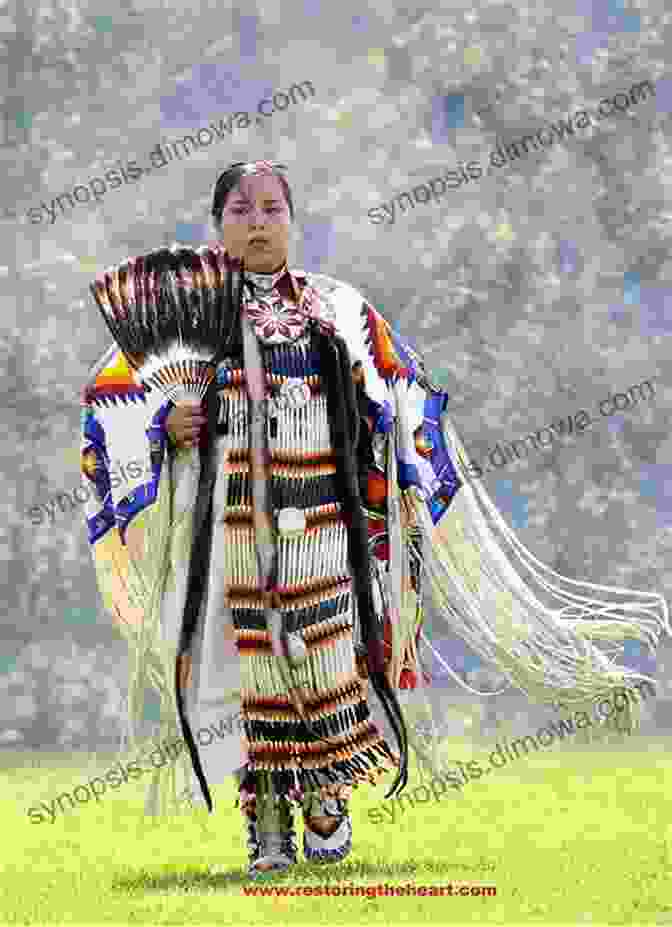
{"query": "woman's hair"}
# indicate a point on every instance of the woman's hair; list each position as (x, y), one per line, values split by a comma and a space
(231, 177)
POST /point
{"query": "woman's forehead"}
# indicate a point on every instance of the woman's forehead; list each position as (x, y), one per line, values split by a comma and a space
(257, 185)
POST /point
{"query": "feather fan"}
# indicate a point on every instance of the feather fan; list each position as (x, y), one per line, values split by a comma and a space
(171, 312)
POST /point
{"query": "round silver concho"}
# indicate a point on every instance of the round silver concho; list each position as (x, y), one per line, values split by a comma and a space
(293, 392)
(291, 523)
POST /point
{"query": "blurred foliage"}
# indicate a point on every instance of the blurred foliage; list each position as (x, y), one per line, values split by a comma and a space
(509, 327)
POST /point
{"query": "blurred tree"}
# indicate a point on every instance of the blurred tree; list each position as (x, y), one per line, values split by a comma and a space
(61, 695)
(23, 421)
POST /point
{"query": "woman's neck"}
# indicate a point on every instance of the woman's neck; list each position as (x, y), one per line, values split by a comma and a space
(265, 270)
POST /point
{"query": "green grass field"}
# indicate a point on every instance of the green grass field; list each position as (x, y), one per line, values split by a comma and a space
(568, 836)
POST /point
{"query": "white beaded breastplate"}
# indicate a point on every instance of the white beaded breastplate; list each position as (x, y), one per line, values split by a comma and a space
(275, 320)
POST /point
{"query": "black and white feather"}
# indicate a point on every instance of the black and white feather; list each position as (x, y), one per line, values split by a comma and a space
(172, 312)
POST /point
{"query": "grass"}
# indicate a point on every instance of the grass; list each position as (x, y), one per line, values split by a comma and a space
(568, 835)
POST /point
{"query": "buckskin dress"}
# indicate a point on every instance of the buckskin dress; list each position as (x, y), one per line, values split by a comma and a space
(532, 625)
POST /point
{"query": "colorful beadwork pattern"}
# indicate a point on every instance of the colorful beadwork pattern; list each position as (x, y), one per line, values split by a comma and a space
(314, 585)
(116, 383)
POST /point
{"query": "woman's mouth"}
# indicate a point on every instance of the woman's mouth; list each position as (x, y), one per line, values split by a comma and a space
(258, 243)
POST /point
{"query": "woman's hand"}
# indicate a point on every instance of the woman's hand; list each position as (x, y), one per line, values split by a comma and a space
(185, 422)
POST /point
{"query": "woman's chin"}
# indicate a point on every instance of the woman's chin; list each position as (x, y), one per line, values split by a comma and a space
(258, 264)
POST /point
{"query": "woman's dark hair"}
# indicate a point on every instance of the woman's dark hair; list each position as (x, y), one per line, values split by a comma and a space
(231, 177)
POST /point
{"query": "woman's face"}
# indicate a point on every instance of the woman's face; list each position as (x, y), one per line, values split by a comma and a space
(256, 222)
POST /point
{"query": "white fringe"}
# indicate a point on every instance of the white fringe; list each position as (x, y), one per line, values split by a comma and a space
(543, 651)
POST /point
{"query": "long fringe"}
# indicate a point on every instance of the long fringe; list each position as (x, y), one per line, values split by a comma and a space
(482, 595)
(151, 657)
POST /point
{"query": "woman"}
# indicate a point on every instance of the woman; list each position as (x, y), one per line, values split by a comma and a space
(266, 602)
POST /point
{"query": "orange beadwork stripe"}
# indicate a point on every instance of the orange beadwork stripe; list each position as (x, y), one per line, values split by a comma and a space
(239, 515)
(252, 702)
(350, 742)
(245, 597)
(290, 716)
(237, 461)
(324, 629)
(237, 382)
(319, 517)
(238, 596)
(301, 463)
(309, 756)
(297, 594)
(322, 637)
(305, 460)
(372, 775)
